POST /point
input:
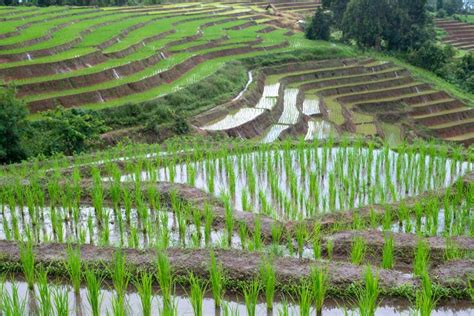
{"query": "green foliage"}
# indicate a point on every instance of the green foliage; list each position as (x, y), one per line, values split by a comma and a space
(320, 26)
(431, 57)
(64, 131)
(365, 21)
(12, 119)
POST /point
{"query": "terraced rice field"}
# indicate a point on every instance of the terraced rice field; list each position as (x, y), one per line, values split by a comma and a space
(459, 34)
(362, 96)
(205, 228)
(102, 57)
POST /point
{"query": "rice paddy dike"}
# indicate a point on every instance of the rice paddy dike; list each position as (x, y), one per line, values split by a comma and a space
(201, 227)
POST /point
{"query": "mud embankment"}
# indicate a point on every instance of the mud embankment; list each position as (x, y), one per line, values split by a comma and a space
(405, 245)
(239, 266)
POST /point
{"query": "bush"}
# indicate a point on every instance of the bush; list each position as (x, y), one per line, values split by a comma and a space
(12, 121)
(63, 131)
(432, 57)
(441, 13)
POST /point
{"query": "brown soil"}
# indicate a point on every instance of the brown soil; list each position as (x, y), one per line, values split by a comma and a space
(404, 244)
(456, 273)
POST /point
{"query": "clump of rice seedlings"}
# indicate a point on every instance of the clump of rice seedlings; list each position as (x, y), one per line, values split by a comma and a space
(301, 234)
(208, 220)
(251, 292)
(216, 275)
(229, 219)
(243, 234)
(471, 289)
(452, 250)
(145, 291)
(387, 252)
(27, 258)
(425, 297)
(10, 303)
(197, 294)
(61, 301)
(268, 278)
(257, 234)
(319, 284)
(367, 296)
(284, 309)
(94, 297)
(421, 261)
(119, 273)
(165, 279)
(305, 297)
(228, 310)
(330, 248)
(44, 293)
(73, 266)
(358, 250)
(118, 305)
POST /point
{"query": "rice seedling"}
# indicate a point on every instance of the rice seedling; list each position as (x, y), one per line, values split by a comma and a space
(94, 297)
(284, 309)
(367, 296)
(61, 301)
(305, 299)
(143, 284)
(12, 304)
(118, 305)
(425, 297)
(27, 258)
(165, 279)
(358, 250)
(197, 294)
(119, 273)
(251, 292)
(387, 252)
(268, 279)
(216, 276)
(330, 248)
(421, 260)
(73, 266)
(319, 284)
(44, 293)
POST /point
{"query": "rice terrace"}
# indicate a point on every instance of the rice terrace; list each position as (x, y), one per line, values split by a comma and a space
(236, 158)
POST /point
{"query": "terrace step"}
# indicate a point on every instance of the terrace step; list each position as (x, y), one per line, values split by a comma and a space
(435, 106)
(446, 117)
(466, 121)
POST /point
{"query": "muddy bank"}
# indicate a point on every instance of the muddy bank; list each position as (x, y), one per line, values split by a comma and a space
(239, 266)
(456, 273)
(404, 245)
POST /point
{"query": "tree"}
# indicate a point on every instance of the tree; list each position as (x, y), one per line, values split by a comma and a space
(12, 118)
(320, 26)
(338, 7)
(365, 21)
(326, 4)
